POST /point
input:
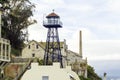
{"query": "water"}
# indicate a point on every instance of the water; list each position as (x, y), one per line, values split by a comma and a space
(113, 78)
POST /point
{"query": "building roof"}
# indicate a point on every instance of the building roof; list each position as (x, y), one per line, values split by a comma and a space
(52, 15)
(76, 54)
(43, 44)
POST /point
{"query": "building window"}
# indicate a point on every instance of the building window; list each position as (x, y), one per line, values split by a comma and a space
(3, 51)
(33, 55)
(29, 47)
(37, 46)
(0, 47)
(7, 50)
(45, 78)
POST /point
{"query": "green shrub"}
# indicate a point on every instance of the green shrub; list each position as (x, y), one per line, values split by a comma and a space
(15, 52)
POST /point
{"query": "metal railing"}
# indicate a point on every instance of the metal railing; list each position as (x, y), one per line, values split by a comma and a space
(5, 58)
(2, 40)
(52, 23)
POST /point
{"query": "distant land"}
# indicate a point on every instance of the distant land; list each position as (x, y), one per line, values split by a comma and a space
(113, 78)
(111, 67)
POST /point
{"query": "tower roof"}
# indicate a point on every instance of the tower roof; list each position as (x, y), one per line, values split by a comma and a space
(52, 15)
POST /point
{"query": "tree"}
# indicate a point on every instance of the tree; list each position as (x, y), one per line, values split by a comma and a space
(16, 19)
(91, 74)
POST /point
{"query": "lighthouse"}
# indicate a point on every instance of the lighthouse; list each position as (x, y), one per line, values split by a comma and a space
(52, 49)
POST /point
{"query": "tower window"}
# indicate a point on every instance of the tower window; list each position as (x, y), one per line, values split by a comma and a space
(29, 47)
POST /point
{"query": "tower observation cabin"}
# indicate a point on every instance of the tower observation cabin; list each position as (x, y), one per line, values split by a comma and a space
(53, 21)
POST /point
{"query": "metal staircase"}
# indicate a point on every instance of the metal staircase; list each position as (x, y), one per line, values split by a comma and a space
(23, 70)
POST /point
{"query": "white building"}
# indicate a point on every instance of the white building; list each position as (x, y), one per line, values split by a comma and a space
(33, 50)
(53, 72)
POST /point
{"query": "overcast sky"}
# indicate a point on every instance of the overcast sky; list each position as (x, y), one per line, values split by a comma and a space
(99, 21)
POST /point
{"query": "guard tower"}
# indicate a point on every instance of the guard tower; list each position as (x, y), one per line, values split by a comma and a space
(52, 49)
(5, 49)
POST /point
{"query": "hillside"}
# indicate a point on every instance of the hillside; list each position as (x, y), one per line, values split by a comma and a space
(91, 74)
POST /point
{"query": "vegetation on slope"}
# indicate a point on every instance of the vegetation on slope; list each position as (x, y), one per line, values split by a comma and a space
(91, 74)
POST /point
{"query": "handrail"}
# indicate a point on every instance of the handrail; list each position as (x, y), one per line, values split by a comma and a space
(52, 23)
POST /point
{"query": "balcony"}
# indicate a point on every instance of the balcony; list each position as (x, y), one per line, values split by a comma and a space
(5, 58)
(5, 50)
(2, 40)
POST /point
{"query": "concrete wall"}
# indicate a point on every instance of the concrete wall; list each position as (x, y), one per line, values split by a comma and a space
(72, 57)
(78, 64)
(53, 72)
(12, 70)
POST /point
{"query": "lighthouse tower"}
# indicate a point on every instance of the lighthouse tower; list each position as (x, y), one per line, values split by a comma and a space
(52, 49)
